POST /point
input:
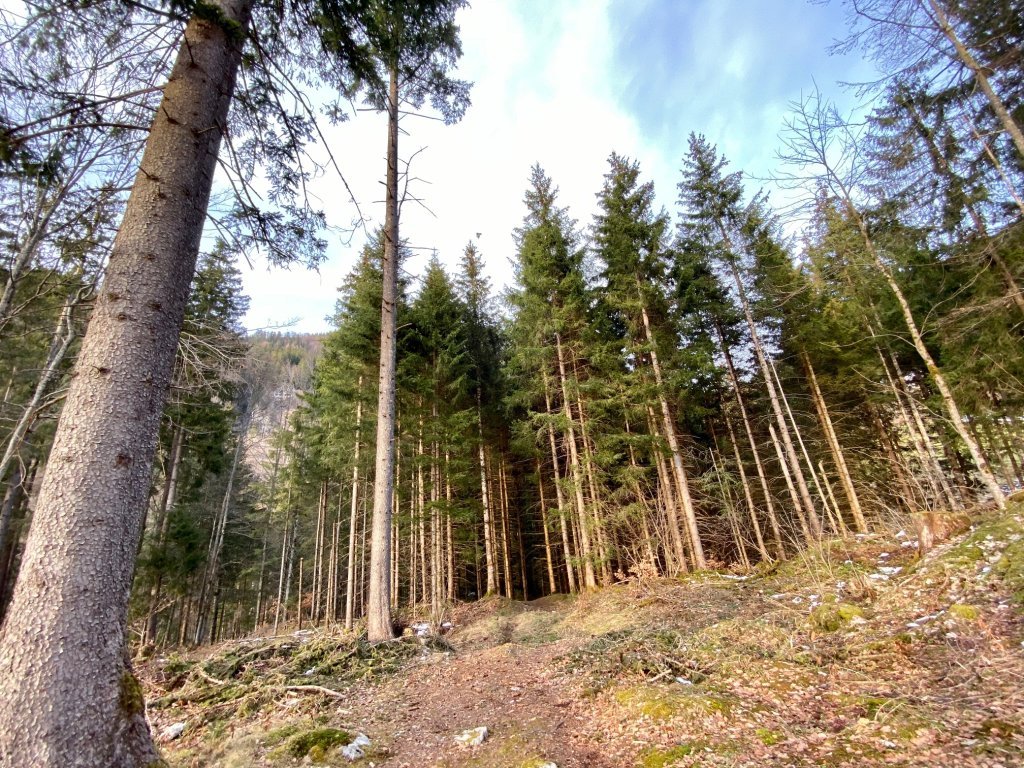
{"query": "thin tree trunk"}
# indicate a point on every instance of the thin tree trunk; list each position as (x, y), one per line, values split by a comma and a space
(552, 584)
(505, 528)
(689, 514)
(64, 335)
(260, 607)
(845, 479)
(803, 497)
(350, 587)
(485, 501)
(792, 488)
(559, 497)
(812, 519)
(747, 495)
(379, 625)
(589, 576)
(762, 477)
(211, 577)
(163, 518)
(936, 374)
(980, 77)
(669, 491)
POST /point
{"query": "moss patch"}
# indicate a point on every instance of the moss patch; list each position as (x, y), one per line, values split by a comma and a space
(131, 698)
(832, 618)
(315, 742)
(1010, 568)
(964, 612)
(661, 758)
(768, 737)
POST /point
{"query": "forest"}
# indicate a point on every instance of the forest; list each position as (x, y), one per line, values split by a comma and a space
(718, 387)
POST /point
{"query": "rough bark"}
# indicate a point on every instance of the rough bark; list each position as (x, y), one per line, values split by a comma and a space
(70, 695)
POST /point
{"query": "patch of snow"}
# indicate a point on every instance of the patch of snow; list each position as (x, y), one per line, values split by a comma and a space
(883, 555)
(890, 570)
(901, 534)
(420, 628)
(309, 671)
(734, 577)
(684, 681)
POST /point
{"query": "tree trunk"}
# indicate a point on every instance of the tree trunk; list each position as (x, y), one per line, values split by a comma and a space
(812, 518)
(936, 374)
(762, 477)
(563, 512)
(378, 612)
(64, 335)
(350, 587)
(163, 518)
(485, 501)
(747, 495)
(837, 452)
(74, 699)
(589, 576)
(552, 584)
(668, 489)
(679, 472)
(803, 496)
(211, 577)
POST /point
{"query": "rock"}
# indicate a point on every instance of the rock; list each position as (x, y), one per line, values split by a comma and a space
(356, 749)
(473, 737)
(171, 732)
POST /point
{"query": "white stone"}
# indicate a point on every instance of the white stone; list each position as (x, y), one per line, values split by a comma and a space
(171, 732)
(352, 752)
(473, 737)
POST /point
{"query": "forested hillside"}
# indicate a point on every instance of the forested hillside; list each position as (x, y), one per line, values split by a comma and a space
(700, 382)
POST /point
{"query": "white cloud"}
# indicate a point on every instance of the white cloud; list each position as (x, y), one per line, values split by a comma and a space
(540, 95)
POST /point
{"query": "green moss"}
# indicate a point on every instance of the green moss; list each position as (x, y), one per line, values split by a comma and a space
(964, 612)
(768, 737)
(1010, 568)
(131, 698)
(652, 702)
(315, 743)
(278, 735)
(661, 758)
(660, 704)
(832, 618)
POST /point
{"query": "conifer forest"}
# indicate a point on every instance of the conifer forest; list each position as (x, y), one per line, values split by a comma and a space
(707, 387)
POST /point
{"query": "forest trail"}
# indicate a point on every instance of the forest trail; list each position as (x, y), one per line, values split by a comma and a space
(859, 654)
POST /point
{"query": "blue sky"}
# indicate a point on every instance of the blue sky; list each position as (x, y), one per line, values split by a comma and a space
(565, 83)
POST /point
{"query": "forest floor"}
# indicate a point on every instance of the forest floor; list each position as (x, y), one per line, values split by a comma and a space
(856, 654)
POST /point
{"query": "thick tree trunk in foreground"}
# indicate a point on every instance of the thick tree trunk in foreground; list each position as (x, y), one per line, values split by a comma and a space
(70, 697)
(378, 610)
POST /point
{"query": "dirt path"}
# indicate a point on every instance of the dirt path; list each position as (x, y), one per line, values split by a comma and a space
(515, 691)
